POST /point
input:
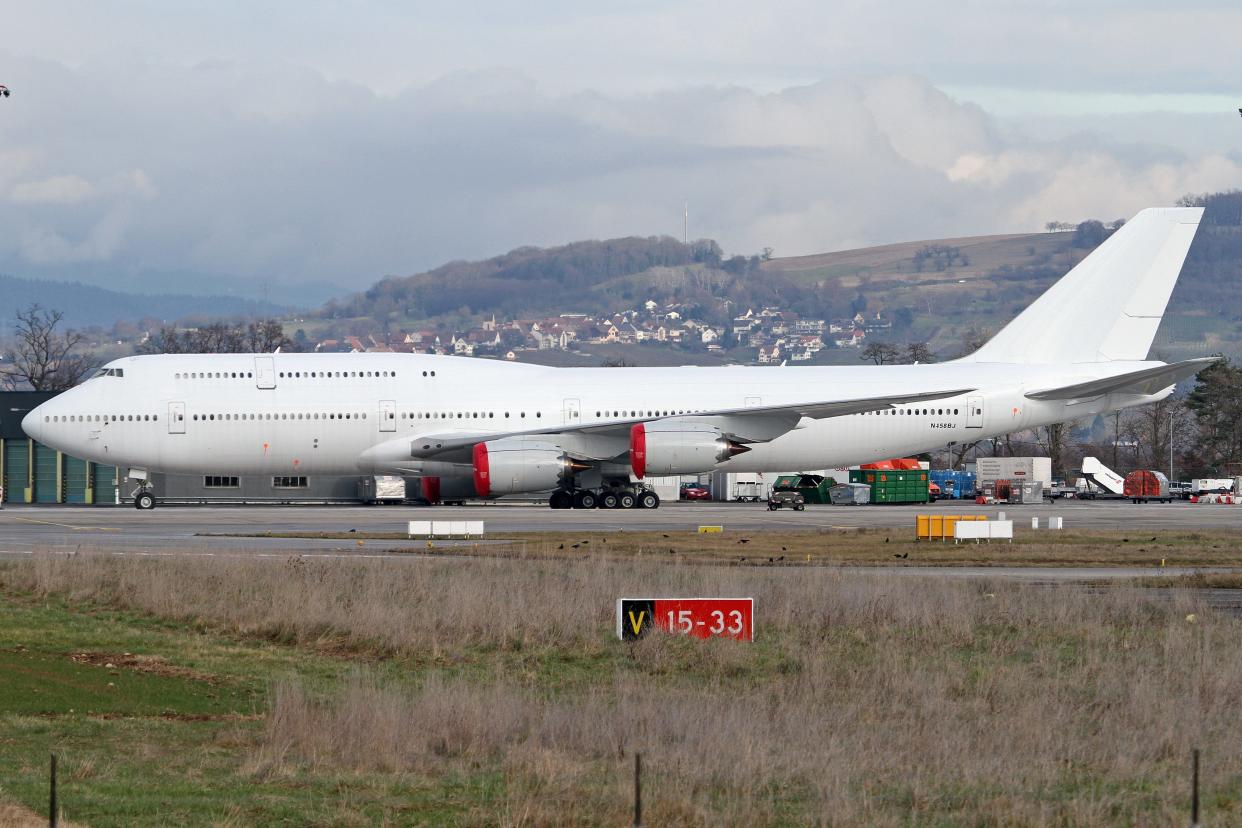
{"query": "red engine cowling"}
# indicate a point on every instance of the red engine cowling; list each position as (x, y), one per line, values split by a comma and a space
(516, 464)
(675, 447)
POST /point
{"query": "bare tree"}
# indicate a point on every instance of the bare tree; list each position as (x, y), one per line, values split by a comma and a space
(918, 352)
(44, 358)
(881, 353)
(1051, 438)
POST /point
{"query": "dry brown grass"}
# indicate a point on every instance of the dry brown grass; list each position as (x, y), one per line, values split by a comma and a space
(866, 699)
(16, 816)
(832, 547)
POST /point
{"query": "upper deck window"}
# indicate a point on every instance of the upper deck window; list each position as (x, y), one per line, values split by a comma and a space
(110, 372)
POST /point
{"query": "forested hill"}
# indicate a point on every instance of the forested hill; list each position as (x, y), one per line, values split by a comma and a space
(85, 305)
(942, 291)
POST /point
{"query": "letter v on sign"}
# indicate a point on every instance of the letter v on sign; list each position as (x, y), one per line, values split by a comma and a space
(635, 617)
(636, 624)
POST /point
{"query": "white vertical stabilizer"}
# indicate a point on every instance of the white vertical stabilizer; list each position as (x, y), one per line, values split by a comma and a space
(1110, 305)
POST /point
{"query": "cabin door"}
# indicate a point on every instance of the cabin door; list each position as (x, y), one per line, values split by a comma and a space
(974, 412)
(264, 372)
(176, 418)
(388, 415)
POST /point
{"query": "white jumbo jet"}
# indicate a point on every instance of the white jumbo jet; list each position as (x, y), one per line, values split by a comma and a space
(589, 436)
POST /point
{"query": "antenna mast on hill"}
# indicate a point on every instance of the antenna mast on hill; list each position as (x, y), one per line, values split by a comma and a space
(687, 228)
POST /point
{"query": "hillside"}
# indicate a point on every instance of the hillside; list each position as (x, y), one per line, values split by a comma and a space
(941, 291)
(87, 305)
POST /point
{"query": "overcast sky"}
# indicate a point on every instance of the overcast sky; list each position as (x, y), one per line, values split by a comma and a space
(208, 144)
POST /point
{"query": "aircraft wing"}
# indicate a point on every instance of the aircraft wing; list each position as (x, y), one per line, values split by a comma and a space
(1145, 381)
(751, 424)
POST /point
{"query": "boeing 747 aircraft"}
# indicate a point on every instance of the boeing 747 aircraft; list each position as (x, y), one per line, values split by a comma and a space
(589, 436)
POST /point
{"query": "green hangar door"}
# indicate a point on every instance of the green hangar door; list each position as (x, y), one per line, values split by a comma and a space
(103, 487)
(46, 479)
(77, 483)
(16, 470)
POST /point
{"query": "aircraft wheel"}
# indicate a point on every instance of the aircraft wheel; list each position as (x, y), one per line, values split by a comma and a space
(626, 500)
(584, 499)
(561, 499)
(609, 500)
(648, 500)
(144, 501)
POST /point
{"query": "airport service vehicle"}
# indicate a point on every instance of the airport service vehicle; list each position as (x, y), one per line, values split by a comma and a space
(786, 499)
(1100, 482)
(486, 428)
(1211, 485)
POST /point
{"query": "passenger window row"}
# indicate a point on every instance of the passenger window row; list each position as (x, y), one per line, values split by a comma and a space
(290, 374)
(99, 418)
(284, 416)
(925, 412)
(462, 415)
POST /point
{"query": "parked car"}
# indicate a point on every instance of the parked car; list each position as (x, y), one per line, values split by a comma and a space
(695, 491)
(786, 499)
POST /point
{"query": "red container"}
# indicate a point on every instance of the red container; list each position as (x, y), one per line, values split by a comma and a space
(1146, 484)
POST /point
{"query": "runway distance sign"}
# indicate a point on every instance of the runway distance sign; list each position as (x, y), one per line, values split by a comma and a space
(696, 617)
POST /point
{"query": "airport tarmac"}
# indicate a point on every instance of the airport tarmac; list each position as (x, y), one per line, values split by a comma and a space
(192, 527)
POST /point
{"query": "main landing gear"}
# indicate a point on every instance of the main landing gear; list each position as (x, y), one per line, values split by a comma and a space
(144, 500)
(620, 497)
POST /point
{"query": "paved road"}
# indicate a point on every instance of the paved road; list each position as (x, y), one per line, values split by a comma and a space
(184, 527)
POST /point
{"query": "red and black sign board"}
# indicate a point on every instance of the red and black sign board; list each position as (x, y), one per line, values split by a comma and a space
(696, 617)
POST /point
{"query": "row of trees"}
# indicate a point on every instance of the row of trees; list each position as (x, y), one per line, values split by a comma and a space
(262, 337)
(44, 356)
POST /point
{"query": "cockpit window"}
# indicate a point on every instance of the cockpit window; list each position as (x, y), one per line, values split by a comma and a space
(111, 372)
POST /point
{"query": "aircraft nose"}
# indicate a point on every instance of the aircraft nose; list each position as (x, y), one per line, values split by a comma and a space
(32, 424)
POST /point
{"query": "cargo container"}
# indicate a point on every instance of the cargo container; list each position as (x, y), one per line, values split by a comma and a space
(381, 488)
(850, 494)
(894, 486)
(991, 469)
(1144, 485)
(954, 485)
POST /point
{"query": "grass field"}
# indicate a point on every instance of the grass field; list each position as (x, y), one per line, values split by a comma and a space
(835, 547)
(491, 691)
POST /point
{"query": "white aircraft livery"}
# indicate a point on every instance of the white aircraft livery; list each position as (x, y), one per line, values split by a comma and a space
(590, 436)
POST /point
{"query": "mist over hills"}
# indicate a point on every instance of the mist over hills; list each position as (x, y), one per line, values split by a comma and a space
(87, 305)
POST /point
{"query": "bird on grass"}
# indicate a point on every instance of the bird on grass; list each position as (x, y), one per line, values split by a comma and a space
(575, 546)
(744, 540)
(782, 557)
(783, 549)
(672, 551)
(666, 536)
(562, 546)
(902, 555)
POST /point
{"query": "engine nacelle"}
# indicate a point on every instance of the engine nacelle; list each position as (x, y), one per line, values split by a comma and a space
(517, 464)
(675, 447)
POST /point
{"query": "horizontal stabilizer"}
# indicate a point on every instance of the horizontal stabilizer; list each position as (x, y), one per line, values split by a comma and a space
(1146, 381)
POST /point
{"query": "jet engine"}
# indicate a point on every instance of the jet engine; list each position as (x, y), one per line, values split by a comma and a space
(517, 464)
(675, 447)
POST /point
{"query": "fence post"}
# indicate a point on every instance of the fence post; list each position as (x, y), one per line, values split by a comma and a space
(1194, 789)
(638, 790)
(52, 818)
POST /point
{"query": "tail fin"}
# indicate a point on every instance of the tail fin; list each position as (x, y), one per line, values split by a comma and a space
(1110, 305)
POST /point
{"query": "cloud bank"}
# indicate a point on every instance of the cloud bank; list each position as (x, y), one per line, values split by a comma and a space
(272, 172)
